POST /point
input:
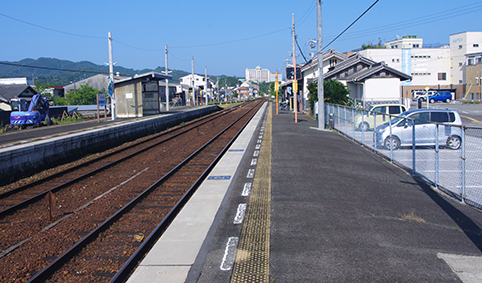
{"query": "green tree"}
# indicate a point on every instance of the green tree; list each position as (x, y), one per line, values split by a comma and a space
(370, 45)
(264, 87)
(334, 92)
(84, 95)
(39, 88)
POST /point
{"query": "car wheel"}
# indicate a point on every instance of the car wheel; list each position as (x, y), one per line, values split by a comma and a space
(448, 100)
(363, 126)
(454, 142)
(432, 100)
(392, 143)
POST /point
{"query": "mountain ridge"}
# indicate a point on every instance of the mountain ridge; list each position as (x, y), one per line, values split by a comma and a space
(62, 72)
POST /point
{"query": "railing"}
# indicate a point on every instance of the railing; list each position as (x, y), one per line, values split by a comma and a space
(452, 162)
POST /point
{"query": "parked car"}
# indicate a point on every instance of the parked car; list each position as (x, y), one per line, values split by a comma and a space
(425, 122)
(377, 115)
(441, 96)
(422, 94)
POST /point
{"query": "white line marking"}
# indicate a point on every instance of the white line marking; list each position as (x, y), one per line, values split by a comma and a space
(258, 146)
(260, 141)
(238, 219)
(250, 173)
(254, 161)
(467, 268)
(256, 153)
(229, 253)
(246, 189)
(260, 137)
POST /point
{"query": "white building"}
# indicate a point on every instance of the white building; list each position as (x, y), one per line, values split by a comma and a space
(261, 75)
(16, 81)
(462, 45)
(191, 79)
(427, 66)
(410, 41)
(199, 83)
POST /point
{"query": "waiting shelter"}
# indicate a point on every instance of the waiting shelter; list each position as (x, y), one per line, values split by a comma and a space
(139, 95)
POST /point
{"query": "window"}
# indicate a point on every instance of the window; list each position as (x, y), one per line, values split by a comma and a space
(476, 45)
(460, 46)
(440, 117)
(461, 64)
(442, 76)
(416, 46)
(394, 110)
(421, 118)
(477, 81)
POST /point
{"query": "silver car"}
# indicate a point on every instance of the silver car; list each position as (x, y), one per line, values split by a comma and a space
(424, 123)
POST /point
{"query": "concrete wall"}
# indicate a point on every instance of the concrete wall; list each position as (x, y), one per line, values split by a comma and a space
(24, 159)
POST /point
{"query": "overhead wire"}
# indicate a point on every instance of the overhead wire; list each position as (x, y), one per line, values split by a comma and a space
(414, 22)
(356, 20)
(50, 29)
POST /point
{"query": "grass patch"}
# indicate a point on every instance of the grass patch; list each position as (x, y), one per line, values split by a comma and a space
(412, 217)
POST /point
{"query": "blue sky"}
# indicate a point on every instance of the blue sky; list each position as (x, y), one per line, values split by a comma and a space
(225, 36)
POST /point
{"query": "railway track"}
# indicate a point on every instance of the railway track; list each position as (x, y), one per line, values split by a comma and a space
(103, 232)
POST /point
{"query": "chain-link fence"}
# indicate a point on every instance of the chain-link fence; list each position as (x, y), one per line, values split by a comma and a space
(450, 156)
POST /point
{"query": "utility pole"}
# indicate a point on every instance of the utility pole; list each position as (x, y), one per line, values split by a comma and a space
(206, 83)
(192, 79)
(295, 81)
(276, 88)
(321, 94)
(111, 77)
(167, 84)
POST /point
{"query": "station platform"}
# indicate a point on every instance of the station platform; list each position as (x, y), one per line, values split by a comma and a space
(292, 203)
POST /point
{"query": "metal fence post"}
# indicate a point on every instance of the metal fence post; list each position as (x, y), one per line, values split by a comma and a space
(463, 196)
(413, 146)
(344, 112)
(391, 147)
(353, 121)
(437, 167)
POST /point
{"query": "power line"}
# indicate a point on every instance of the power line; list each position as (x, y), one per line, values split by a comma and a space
(233, 41)
(415, 22)
(50, 29)
(366, 11)
(54, 69)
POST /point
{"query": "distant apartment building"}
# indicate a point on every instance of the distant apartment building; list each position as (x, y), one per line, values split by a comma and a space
(261, 75)
(473, 77)
(463, 46)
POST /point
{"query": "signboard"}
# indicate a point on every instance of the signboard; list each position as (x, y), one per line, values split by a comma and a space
(110, 87)
(290, 73)
(276, 86)
(102, 99)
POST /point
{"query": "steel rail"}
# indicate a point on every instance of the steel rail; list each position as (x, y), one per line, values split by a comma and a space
(40, 196)
(50, 177)
(57, 263)
(123, 274)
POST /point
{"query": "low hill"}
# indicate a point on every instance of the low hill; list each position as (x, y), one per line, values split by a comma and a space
(50, 70)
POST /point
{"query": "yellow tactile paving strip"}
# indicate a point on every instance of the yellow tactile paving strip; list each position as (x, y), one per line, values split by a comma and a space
(252, 256)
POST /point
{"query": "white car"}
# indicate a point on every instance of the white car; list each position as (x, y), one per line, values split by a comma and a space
(377, 115)
(425, 122)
